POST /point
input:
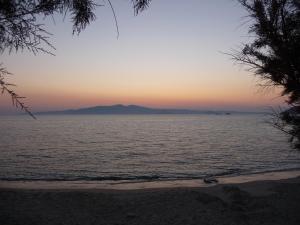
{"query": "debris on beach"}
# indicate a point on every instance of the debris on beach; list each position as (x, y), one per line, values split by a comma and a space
(210, 180)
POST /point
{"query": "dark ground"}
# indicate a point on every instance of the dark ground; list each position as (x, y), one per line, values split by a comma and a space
(272, 202)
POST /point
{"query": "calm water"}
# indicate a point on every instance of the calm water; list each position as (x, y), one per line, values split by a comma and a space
(104, 147)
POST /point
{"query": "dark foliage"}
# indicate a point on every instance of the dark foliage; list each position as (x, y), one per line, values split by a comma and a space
(19, 27)
(274, 54)
(16, 99)
(140, 5)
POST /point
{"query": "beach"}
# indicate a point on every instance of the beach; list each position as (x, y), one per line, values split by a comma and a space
(271, 198)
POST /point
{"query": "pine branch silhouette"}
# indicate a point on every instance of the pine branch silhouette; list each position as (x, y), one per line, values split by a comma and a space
(16, 99)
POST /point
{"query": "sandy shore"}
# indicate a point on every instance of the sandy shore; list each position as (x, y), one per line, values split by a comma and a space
(268, 201)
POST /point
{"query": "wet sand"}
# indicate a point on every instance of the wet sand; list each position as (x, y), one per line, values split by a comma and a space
(264, 201)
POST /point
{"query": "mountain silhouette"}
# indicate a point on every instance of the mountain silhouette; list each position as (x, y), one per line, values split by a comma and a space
(124, 109)
(120, 109)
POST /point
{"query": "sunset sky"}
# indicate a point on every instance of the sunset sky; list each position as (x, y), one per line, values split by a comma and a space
(168, 56)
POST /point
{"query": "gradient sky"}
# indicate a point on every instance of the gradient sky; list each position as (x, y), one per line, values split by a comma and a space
(168, 56)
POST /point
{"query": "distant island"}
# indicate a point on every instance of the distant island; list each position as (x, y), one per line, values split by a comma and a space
(130, 109)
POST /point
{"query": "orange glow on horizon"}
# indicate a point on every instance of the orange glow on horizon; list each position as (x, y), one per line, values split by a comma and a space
(198, 99)
(203, 92)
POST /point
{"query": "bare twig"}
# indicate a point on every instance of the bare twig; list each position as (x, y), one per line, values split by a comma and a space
(115, 17)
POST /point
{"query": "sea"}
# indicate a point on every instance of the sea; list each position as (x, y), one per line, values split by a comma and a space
(141, 147)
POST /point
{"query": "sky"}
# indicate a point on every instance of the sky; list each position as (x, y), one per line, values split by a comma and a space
(171, 56)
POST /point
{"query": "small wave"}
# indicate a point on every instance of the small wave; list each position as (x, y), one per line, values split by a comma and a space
(234, 171)
(25, 156)
(145, 178)
(104, 178)
(124, 178)
(33, 156)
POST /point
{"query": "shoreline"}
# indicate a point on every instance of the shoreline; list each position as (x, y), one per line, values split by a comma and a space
(151, 184)
(271, 199)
